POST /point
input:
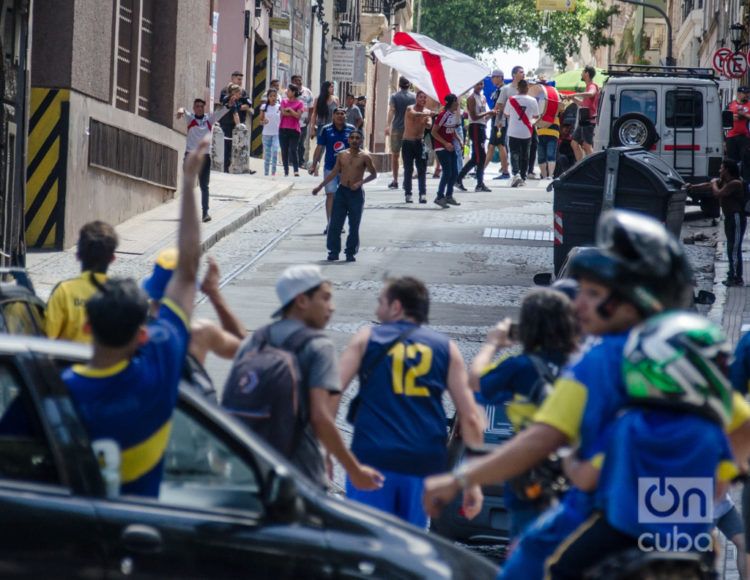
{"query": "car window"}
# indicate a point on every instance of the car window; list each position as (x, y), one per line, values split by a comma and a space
(201, 471)
(684, 109)
(24, 452)
(641, 101)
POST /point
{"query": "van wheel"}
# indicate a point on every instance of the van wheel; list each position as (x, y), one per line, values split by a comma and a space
(634, 130)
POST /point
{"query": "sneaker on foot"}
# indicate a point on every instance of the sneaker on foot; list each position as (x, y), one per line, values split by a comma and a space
(532, 175)
(516, 181)
(441, 202)
(739, 281)
(482, 187)
(350, 258)
(460, 185)
(408, 198)
(206, 218)
(332, 258)
(393, 185)
(422, 199)
(451, 201)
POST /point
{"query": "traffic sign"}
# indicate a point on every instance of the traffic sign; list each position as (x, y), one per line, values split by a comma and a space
(720, 57)
(736, 65)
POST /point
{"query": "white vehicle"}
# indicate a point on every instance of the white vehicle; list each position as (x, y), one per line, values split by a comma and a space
(673, 112)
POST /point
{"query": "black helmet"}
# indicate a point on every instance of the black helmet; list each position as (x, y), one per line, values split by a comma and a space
(639, 260)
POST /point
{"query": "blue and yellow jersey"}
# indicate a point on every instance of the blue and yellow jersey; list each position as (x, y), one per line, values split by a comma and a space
(647, 443)
(132, 402)
(65, 315)
(401, 425)
(587, 398)
(510, 380)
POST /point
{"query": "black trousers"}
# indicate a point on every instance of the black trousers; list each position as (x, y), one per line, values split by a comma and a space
(203, 178)
(414, 155)
(301, 146)
(478, 136)
(596, 540)
(289, 142)
(735, 225)
(519, 155)
(532, 150)
(347, 203)
(736, 146)
(227, 153)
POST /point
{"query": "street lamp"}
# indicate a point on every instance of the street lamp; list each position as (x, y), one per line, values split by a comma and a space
(345, 28)
(735, 35)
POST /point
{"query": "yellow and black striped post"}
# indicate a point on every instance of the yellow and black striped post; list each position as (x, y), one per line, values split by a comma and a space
(47, 168)
(260, 71)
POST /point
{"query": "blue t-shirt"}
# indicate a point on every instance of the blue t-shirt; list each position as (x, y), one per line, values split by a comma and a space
(401, 425)
(132, 402)
(334, 141)
(739, 371)
(647, 443)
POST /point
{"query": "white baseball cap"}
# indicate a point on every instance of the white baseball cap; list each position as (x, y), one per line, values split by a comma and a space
(294, 281)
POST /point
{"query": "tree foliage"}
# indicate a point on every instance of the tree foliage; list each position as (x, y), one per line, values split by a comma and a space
(475, 26)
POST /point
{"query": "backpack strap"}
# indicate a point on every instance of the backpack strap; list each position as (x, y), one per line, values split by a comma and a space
(546, 378)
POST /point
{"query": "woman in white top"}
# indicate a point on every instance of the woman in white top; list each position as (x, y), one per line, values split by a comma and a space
(270, 118)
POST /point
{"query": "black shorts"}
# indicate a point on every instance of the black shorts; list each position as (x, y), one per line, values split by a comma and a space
(499, 136)
(494, 136)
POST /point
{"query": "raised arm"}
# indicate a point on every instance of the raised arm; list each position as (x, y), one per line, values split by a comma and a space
(210, 287)
(181, 287)
(497, 338)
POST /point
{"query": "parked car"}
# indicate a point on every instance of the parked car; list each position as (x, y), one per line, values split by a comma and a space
(229, 506)
(673, 112)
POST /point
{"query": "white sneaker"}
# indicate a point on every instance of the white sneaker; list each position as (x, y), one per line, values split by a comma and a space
(523, 183)
(516, 181)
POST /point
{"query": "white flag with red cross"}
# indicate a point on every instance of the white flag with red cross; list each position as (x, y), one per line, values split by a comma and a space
(434, 68)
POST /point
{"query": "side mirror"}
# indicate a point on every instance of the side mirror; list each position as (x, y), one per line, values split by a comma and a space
(543, 279)
(705, 297)
(282, 499)
(727, 119)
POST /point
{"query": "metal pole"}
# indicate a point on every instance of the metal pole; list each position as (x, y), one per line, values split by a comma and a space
(670, 58)
(419, 16)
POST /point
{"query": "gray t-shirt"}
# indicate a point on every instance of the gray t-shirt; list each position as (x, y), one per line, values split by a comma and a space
(319, 369)
(401, 101)
(506, 93)
(353, 115)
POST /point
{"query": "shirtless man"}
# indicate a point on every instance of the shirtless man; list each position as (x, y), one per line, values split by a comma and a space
(350, 197)
(205, 335)
(416, 121)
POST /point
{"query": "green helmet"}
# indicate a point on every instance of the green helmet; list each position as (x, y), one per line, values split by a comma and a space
(679, 360)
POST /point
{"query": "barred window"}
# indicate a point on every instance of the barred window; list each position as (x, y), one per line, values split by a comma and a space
(131, 155)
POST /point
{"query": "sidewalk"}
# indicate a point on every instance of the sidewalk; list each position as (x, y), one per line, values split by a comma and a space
(732, 310)
(235, 200)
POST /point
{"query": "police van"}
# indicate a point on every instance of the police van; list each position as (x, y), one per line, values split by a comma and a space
(672, 112)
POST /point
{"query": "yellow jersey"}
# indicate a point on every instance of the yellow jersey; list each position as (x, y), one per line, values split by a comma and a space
(65, 315)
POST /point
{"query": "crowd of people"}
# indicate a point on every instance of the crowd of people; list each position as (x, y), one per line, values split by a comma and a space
(612, 361)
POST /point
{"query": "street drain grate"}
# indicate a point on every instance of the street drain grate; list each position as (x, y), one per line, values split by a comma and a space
(506, 234)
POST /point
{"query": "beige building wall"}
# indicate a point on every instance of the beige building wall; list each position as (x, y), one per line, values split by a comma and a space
(74, 46)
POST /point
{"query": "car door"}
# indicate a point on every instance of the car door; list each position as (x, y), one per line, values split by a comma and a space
(47, 528)
(684, 134)
(210, 519)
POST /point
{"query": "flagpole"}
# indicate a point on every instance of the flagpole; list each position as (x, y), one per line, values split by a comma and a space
(419, 16)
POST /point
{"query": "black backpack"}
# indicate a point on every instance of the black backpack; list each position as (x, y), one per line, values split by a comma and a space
(265, 389)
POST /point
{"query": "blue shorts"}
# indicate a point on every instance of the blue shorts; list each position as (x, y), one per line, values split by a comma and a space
(539, 542)
(547, 150)
(401, 496)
